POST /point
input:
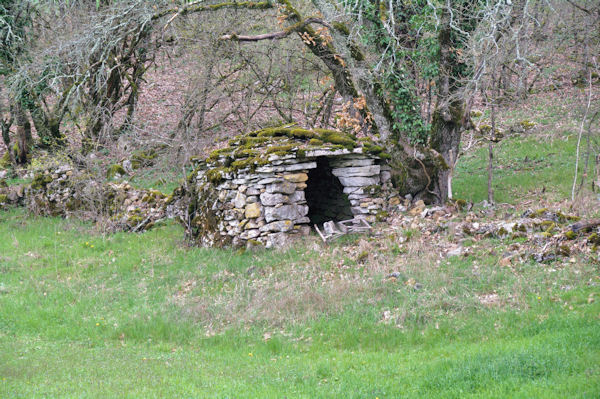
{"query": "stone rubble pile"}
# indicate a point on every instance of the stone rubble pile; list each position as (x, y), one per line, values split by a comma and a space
(66, 192)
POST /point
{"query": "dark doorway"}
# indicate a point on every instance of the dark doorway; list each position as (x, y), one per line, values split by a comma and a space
(325, 195)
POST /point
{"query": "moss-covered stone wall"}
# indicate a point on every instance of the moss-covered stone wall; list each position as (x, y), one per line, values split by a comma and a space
(252, 192)
(66, 192)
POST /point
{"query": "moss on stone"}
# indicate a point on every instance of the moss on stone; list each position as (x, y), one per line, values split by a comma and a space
(254, 243)
(115, 170)
(502, 232)
(280, 149)
(5, 161)
(570, 235)
(381, 216)
(356, 53)
(460, 203)
(248, 163)
(526, 124)
(373, 189)
(335, 137)
(594, 239)
(3, 198)
(245, 153)
(152, 196)
(548, 225)
(242, 163)
(192, 175)
(485, 128)
(274, 131)
(134, 219)
(302, 133)
(216, 154)
(73, 204)
(169, 199)
(40, 180)
(563, 217)
(563, 250)
(256, 148)
(377, 150)
(143, 158)
(363, 256)
(215, 175)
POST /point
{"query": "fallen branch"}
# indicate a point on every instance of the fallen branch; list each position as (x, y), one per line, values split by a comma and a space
(584, 225)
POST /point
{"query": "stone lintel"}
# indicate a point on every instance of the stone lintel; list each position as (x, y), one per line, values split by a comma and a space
(359, 181)
(358, 171)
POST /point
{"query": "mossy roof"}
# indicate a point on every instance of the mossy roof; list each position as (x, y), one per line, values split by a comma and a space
(263, 146)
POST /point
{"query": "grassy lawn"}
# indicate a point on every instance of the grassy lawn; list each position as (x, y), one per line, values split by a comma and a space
(524, 166)
(125, 315)
(537, 163)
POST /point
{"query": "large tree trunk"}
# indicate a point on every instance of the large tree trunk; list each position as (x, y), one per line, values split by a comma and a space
(6, 125)
(445, 139)
(449, 114)
(19, 151)
(47, 127)
(23, 134)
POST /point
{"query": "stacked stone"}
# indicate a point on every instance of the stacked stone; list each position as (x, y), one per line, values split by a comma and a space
(268, 207)
(365, 183)
(64, 191)
(51, 192)
(11, 195)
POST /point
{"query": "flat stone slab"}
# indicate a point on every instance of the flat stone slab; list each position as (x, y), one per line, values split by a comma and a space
(368, 171)
(285, 212)
(359, 181)
(354, 190)
(320, 153)
(272, 199)
(300, 166)
(279, 225)
(285, 187)
(349, 162)
(296, 177)
(252, 211)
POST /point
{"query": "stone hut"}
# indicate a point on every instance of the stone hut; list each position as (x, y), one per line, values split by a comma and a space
(272, 185)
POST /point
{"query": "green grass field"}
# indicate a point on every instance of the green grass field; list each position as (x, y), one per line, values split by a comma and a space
(86, 315)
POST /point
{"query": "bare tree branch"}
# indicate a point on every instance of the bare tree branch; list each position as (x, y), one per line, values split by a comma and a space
(276, 35)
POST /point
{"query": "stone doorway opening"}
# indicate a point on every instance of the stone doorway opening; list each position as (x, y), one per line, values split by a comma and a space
(325, 195)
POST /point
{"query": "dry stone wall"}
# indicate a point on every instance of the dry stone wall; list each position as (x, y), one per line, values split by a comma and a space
(66, 192)
(278, 197)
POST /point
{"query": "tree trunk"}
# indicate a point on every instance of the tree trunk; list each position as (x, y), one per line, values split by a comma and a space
(47, 127)
(449, 114)
(23, 134)
(6, 124)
